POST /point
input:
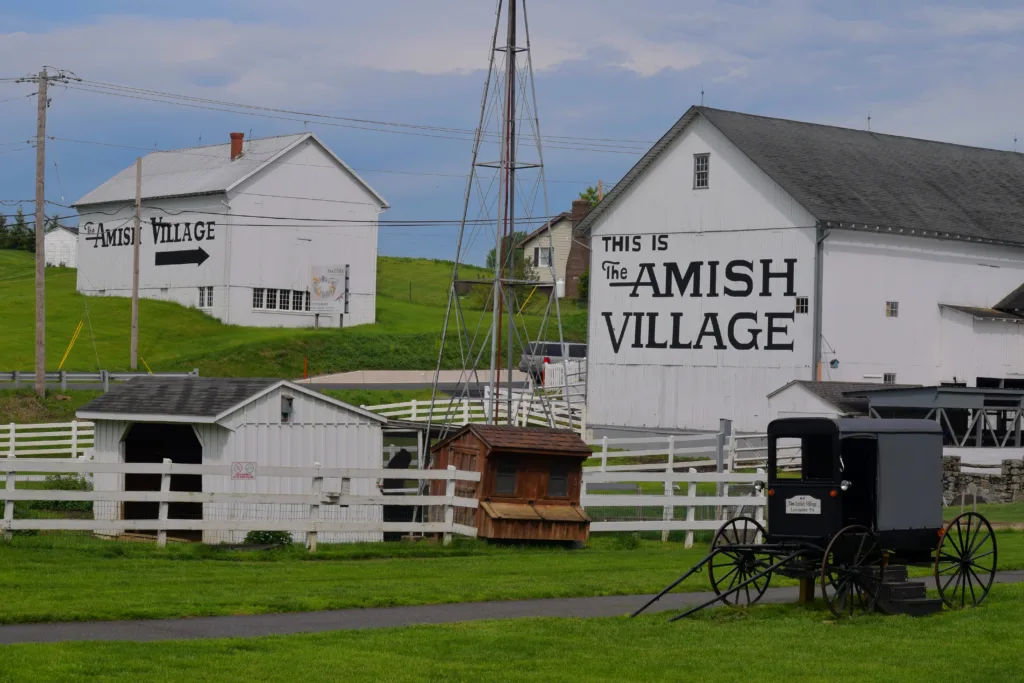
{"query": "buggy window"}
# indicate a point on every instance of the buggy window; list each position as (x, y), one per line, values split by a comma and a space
(807, 458)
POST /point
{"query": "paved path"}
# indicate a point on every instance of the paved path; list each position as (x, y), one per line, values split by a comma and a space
(380, 617)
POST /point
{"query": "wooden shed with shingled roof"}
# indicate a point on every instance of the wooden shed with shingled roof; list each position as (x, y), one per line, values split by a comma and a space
(530, 483)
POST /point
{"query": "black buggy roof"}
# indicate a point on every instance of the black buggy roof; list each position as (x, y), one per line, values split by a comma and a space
(821, 426)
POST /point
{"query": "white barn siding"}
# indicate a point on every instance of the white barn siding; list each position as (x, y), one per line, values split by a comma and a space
(743, 216)
(306, 186)
(105, 265)
(107, 447)
(61, 248)
(921, 346)
(320, 433)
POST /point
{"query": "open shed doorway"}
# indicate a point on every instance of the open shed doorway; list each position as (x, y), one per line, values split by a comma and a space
(151, 443)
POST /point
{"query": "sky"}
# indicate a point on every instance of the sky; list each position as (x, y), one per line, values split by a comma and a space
(604, 70)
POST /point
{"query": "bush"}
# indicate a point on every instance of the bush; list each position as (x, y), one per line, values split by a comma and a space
(268, 538)
(65, 482)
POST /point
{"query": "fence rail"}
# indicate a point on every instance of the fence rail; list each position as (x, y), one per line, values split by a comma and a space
(53, 439)
(63, 378)
(527, 409)
(316, 501)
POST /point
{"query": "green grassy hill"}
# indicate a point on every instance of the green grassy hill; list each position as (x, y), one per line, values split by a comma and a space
(172, 337)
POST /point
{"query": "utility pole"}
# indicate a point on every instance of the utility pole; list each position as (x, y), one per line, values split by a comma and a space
(135, 266)
(42, 80)
(41, 105)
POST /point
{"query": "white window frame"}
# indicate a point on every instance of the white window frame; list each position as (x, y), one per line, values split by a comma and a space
(271, 301)
(544, 257)
(284, 299)
(206, 297)
(889, 378)
(702, 171)
(258, 298)
(297, 300)
(803, 305)
(892, 309)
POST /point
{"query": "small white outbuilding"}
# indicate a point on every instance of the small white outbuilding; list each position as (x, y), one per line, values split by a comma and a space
(202, 420)
(61, 244)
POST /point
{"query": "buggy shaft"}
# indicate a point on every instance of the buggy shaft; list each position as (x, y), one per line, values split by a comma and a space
(678, 581)
(736, 588)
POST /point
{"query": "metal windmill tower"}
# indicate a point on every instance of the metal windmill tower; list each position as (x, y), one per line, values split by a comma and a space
(505, 191)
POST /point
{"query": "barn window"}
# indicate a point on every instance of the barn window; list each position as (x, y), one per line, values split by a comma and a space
(284, 300)
(206, 297)
(889, 378)
(296, 300)
(307, 301)
(271, 299)
(542, 257)
(257, 297)
(558, 483)
(801, 304)
(286, 409)
(892, 309)
(505, 484)
(701, 166)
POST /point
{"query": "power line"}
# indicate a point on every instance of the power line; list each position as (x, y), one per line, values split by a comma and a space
(283, 162)
(447, 129)
(565, 145)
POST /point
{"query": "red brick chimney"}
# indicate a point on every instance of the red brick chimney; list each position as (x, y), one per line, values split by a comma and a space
(236, 145)
(579, 250)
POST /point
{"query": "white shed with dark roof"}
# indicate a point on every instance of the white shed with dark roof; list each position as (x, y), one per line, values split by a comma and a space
(744, 252)
(199, 420)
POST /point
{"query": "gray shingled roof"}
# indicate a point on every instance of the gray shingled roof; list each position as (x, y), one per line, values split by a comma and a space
(203, 170)
(864, 180)
(182, 396)
(982, 313)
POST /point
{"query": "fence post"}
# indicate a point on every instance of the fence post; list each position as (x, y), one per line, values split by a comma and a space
(669, 487)
(449, 506)
(10, 441)
(604, 453)
(165, 487)
(17, 379)
(74, 438)
(9, 504)
(314, 510)
(412, 415)
(63, 380)
(465, 411)
(724, 430)
(105, 378)
(691, 510)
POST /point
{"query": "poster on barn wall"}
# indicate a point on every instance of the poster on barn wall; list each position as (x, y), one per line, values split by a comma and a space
(328, 289)
(702, 299)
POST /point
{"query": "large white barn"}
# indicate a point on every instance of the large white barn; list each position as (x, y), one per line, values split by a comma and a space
(237, 230)
(744, 252)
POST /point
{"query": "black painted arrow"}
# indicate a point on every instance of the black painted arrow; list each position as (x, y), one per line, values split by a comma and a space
(175, 258)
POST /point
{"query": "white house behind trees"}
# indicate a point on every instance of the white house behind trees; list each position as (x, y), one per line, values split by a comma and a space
(236, 229)
(61, 245)
(744, 252)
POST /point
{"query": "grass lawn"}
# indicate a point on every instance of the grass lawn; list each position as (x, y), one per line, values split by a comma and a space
(767, 643)
(172, 337)
(53, 578)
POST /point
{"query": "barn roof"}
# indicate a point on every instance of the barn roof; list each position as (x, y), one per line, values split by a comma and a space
(859, 179)
(204, 170)
(515, 439)
(190, 399)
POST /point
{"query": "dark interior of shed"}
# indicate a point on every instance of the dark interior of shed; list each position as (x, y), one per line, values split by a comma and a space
(151, 443)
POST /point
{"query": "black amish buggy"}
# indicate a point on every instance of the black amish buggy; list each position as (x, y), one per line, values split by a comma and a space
(865, 503)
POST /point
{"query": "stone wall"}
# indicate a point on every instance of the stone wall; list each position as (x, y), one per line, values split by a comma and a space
(1005, 485)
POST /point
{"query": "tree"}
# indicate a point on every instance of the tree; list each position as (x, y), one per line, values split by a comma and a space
(514, 245)
(591, 196)
(4, 232)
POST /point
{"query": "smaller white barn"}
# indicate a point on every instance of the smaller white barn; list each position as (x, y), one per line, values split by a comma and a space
(203, 420)
(802, 398)
(61, 244)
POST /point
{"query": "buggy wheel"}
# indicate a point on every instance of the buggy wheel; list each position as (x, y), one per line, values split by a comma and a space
(736, 564)
(965, 561)
(851, 572)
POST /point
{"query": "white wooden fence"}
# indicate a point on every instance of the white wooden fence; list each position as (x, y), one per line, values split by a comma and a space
(721, 451)
(54, 439)
(527, 408)
(317, 500)
(670, 499)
